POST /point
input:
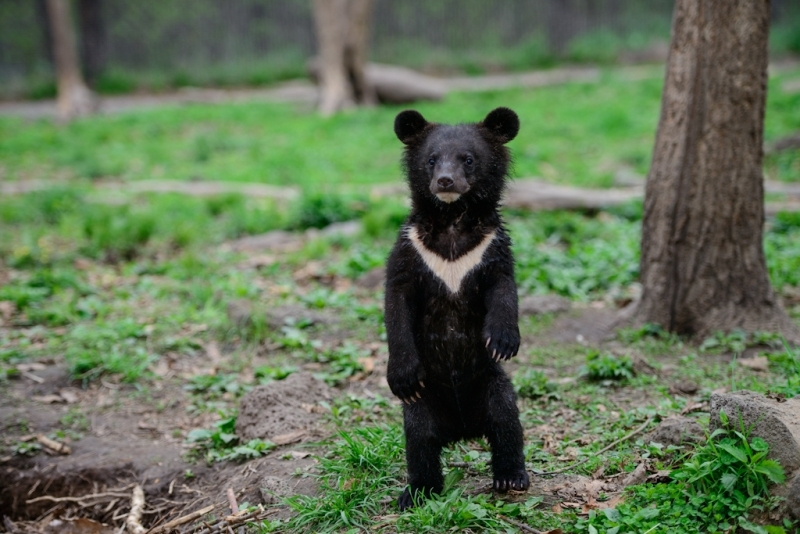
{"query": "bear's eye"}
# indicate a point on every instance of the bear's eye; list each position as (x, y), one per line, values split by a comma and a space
(468, 160)
(432, 162)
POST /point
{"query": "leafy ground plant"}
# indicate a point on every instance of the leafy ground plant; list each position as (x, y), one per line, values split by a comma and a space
(715, 489)
(606, 366)
(532, 384)
(221, 443)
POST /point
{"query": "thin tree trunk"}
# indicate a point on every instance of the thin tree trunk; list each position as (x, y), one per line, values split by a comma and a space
(703, 267)
(93, 38)
(330, 20)
(74, 98)
(360, 13)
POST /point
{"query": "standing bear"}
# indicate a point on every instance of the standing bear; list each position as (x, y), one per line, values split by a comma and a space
(451, 300)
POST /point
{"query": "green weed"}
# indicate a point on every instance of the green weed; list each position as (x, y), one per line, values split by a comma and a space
(736, 341)
(713, 490)
(26, 448)
(340, 363)
(359, 474)
(533, 384)
(214, 386)
(267, 373)
(606, 366)
(107, 347)
(221, 443)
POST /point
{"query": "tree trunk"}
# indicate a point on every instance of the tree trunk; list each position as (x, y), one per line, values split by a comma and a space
(703, 267)
(342, 29)
(74, 98)
(93, 38)
(356, 46)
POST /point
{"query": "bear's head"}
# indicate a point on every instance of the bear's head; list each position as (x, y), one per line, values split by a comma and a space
(448, 165)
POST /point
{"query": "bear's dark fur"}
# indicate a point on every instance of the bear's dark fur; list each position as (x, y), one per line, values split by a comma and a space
(451, 300)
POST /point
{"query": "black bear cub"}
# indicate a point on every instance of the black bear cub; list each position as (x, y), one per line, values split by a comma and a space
(451, 300)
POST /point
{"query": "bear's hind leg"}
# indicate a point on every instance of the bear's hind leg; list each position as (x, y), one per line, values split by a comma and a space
(504, 433)
(423, 455)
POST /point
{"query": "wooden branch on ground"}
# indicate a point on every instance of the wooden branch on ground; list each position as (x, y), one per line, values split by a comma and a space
(235, 520)
(77, 499)
(521, 526)
(133, 523)
(790, 142)
(232, 501)
(534, 195)
(53, 445)
(166, 527)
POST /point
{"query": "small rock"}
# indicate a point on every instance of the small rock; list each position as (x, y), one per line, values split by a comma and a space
(684, 387)
(343, 229)
(276, 317)
(637, 476)
(541, 304)
(676, 430)
(792, 494)
(274, 241)
(273, 489)
(759, 363)
(777, 423)
(241, 313)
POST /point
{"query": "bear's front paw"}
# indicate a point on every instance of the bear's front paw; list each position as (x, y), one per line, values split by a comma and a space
(502, 343)
(407, 384)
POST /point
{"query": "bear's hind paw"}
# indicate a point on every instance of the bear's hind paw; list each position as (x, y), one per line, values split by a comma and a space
(516, 482)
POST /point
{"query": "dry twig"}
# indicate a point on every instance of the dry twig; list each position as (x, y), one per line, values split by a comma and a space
(166, 527)
(601, 451)
(77, 499)
(53, 445)
(234, 520)
(134, 520)
(232, 501)
(521, 526)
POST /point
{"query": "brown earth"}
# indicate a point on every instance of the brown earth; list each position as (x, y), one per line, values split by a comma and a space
(130, 436)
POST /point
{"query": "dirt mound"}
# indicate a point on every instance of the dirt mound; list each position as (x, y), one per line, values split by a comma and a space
(282, 408)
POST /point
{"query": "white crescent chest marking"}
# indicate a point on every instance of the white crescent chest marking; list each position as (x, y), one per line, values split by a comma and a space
(452, 273)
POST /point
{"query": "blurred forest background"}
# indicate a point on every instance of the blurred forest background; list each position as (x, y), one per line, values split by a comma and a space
(162, 256)
(127, 46)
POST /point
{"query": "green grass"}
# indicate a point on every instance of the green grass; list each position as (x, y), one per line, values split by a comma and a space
(119, 290)
(575, 133)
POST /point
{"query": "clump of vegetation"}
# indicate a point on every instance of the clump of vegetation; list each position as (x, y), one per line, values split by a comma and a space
(221, 443)
(736, 341)
(606, 366)
(533, 384)
(108, 347)
(318, 210)
(713, 490)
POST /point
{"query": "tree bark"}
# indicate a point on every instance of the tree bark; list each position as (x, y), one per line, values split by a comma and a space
(342, 28)
(74, 97)
(703, 267)
(356, 47)
(93, 38)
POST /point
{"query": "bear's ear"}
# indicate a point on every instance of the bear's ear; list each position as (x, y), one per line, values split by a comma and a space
(409, 124)
(502, 123)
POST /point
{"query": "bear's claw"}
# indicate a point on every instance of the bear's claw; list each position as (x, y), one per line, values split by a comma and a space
(516, 482)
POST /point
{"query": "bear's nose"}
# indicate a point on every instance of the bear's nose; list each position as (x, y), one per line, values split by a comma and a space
(445, 182)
